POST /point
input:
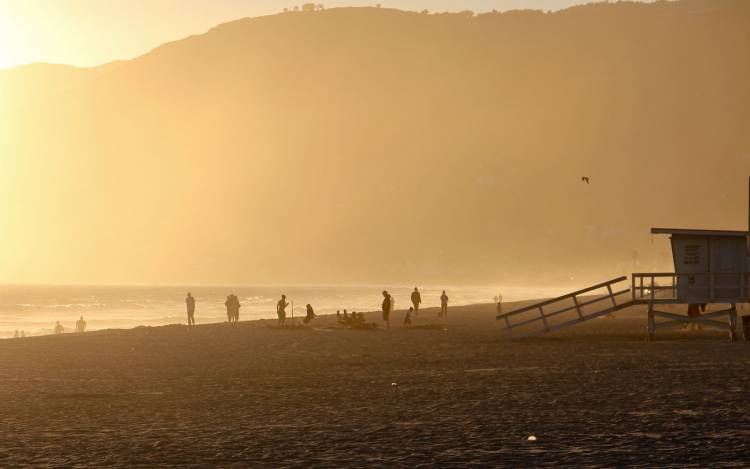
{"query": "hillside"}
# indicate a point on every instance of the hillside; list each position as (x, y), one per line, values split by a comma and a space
(376, 145)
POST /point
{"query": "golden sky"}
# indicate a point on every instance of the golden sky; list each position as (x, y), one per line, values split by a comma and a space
(92, 32)
(366, 146)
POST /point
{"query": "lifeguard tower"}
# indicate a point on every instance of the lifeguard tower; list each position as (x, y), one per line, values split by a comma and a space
(710, 267)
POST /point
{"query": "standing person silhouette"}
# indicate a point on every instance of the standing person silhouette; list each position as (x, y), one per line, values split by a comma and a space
(81, 325)
(229, 303)
(235, 308)
(444, 305)
(190, 303)
(281, 310)
(387, 301)
(416, 300)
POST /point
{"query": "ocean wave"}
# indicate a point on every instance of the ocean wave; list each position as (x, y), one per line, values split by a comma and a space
(61, 306)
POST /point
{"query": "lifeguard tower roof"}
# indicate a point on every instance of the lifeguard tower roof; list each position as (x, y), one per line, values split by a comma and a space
(687, 232)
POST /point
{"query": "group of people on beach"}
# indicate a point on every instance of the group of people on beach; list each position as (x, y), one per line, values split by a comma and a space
(388, 306)
(354, 319)
(233, 308)
(59, 329)
(281, 311)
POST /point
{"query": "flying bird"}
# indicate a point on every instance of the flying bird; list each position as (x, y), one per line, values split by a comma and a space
(586, 180)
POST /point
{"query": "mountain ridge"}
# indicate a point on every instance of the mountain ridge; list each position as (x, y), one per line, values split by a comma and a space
(311, 124)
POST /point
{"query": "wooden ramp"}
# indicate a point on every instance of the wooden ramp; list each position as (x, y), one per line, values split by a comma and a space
(567, 310)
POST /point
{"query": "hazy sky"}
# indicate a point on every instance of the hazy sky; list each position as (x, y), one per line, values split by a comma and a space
(91, 32)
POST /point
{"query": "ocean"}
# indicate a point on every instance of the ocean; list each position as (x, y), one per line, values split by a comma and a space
(34, 309)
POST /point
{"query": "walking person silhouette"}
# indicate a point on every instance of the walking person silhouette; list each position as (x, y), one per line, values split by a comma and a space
(281, 310)
(416, 300)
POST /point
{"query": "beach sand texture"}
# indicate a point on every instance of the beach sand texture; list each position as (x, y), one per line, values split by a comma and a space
(223, 396)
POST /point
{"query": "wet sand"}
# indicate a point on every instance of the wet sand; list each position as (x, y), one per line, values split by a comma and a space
(251, 395)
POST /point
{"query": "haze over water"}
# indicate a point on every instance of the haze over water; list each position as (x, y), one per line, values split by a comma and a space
(34, 309)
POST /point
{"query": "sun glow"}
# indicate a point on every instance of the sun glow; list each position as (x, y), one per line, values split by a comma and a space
(13, 46)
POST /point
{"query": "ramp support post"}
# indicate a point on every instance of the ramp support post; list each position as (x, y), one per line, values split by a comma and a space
(578, 307)
(650, 322)
(544, 319)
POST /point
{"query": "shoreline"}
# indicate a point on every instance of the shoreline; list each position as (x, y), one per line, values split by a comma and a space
(481, 312)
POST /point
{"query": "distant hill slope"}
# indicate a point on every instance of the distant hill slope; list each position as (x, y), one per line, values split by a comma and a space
(376, 145)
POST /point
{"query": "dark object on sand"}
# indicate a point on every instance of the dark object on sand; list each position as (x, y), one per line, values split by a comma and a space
(586, 180)
(746, 327)
(429, 327)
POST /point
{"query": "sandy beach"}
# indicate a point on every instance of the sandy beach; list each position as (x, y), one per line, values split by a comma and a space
(243, 158)
(464, 394)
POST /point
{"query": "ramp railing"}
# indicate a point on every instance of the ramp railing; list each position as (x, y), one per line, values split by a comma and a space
(543, 317)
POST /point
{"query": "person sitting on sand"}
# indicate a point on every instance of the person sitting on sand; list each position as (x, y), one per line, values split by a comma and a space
(310, 314)
(387, 300)
(443, 305)
(281, 310)
(190, 303)
(416, 300)
(81, 325)
(407, 318)
(59, 329)
(358, 320)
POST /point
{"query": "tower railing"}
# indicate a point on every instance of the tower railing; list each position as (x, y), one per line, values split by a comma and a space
(698, 287)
